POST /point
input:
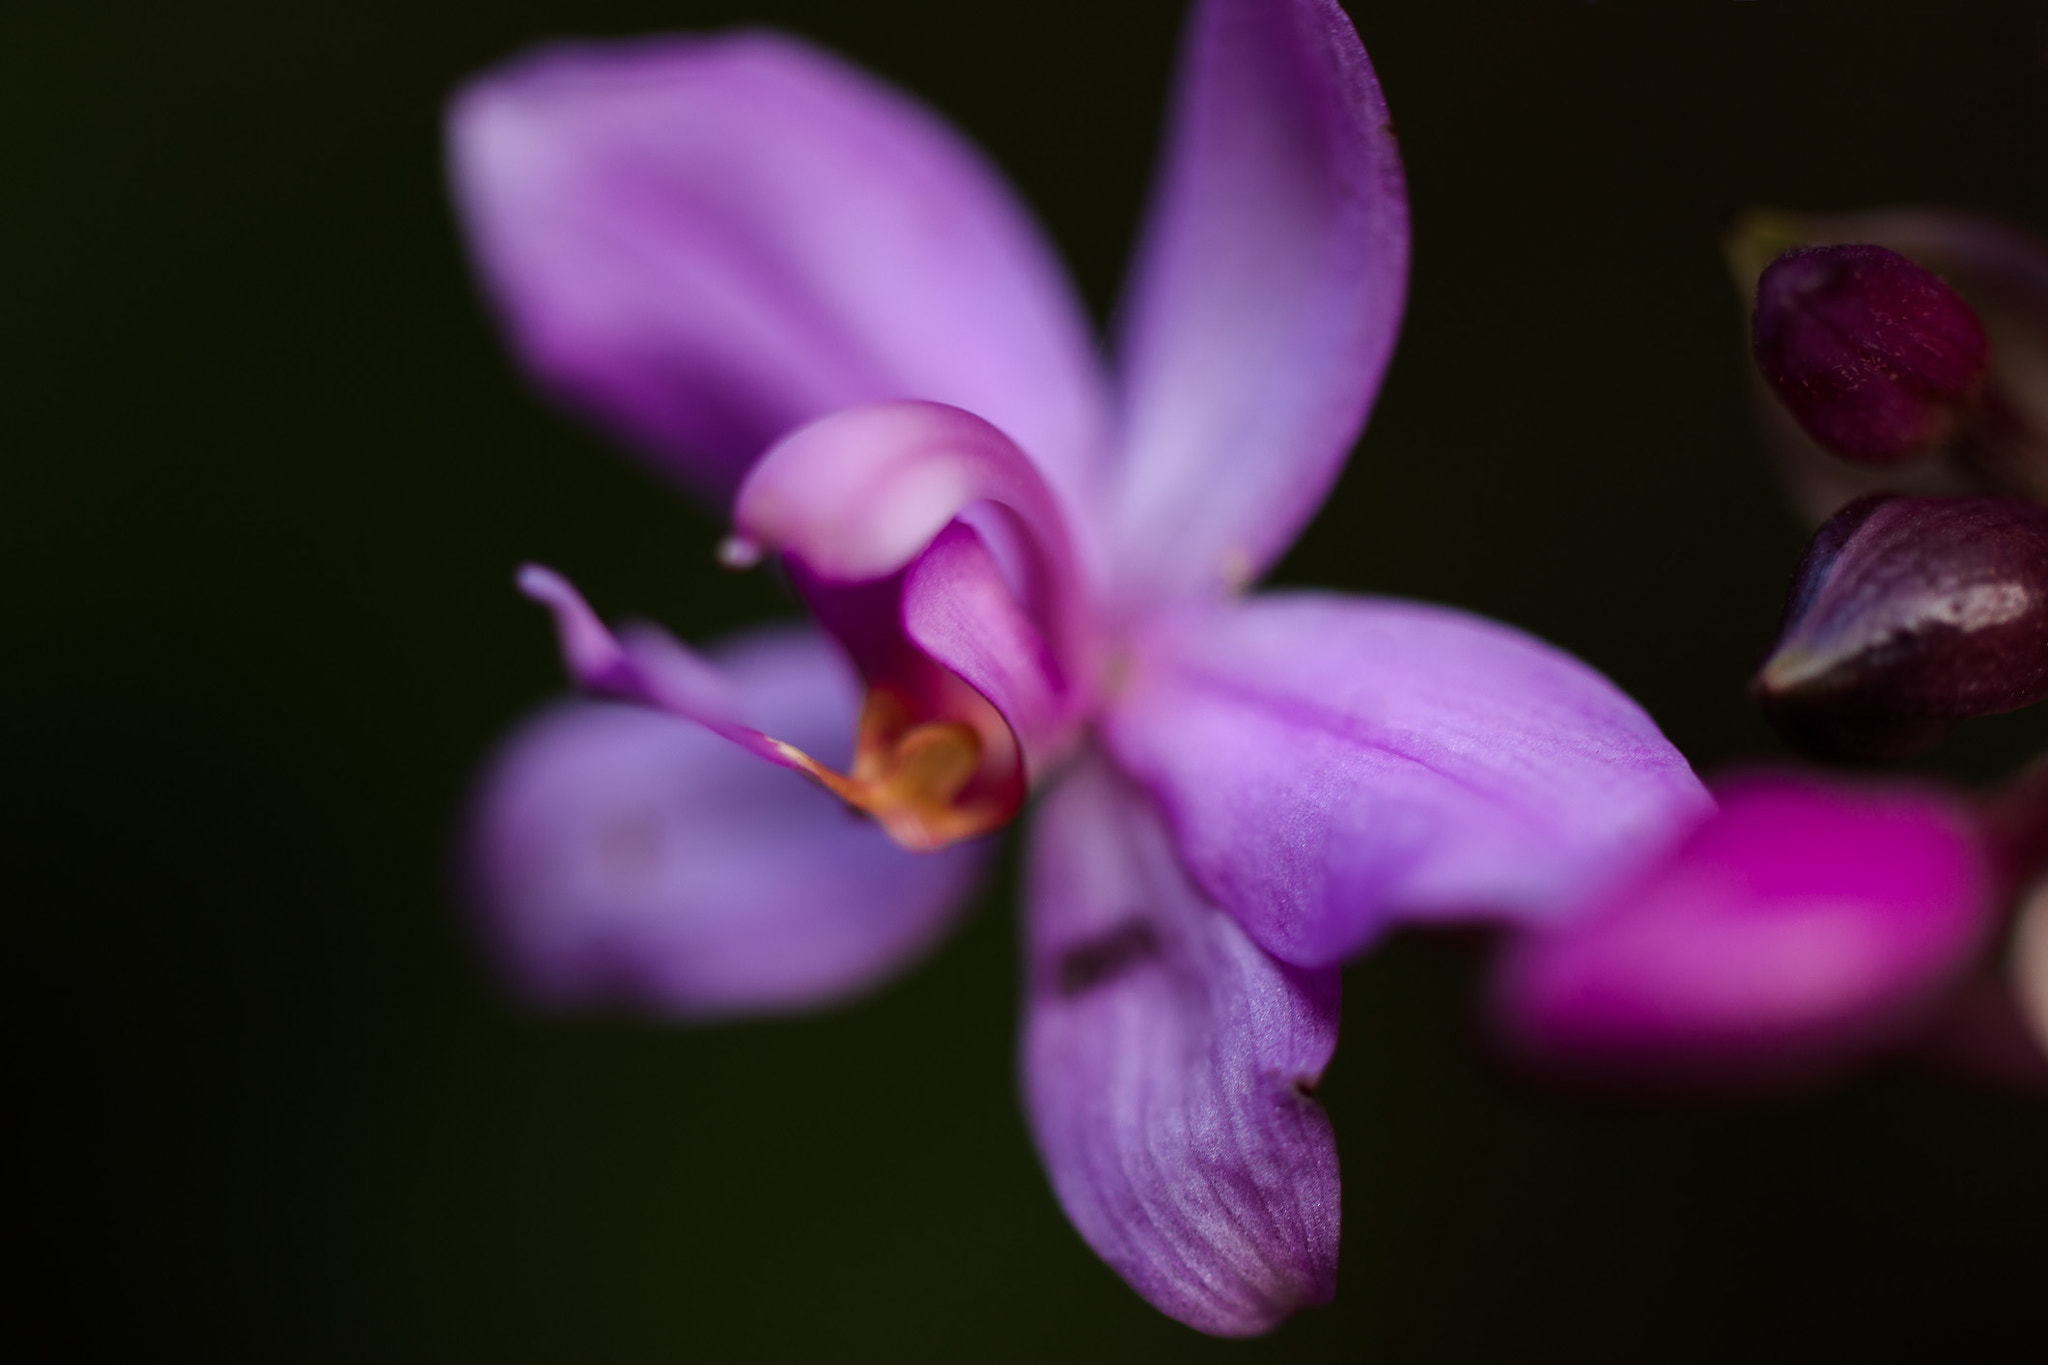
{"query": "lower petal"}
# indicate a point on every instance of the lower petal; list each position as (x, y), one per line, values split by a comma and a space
(617, 853)
(1331, 765)
(1169, 1066)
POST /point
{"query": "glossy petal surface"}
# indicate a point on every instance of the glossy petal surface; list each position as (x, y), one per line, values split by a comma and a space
(1803, 923)
(1266, 298)
(1331, 765)
(618, 854)
(1907, 613)
(706, 242)
(1167, 1069)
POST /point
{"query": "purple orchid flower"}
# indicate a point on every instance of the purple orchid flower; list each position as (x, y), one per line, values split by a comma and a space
(807, 299)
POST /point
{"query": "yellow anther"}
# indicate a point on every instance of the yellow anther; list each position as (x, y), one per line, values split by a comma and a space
(910, 777)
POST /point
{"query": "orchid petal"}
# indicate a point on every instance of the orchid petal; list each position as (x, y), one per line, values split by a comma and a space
(1168, 1065)
(619, 854)
(650, 667)
(859, 494)
(706, 242)
(1802, 924)
(1266, 299)
(1331, 765)
(959, 609)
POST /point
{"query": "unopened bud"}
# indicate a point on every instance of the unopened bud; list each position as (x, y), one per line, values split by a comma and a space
(1873, 355)
(1905, 615)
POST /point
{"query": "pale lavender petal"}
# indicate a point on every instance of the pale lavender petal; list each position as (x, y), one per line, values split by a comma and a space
(1169, 1067)
(619, 854)
(706, 242)
(1266, 299)
(1803, 923)
(1332, 764)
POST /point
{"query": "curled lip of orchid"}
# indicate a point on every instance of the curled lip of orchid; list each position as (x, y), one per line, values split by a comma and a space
(806, 299)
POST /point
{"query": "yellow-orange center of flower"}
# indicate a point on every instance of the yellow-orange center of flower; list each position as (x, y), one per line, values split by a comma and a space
(912, 776)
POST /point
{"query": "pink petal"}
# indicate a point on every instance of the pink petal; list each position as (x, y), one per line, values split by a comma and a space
(706, 242)
(1802, 924)
(1168, 1070)
(1333, 764)
(619, 854)
(1267, 297)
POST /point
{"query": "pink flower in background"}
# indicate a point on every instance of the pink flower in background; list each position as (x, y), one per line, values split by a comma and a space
(808, 300)
(1805, 924)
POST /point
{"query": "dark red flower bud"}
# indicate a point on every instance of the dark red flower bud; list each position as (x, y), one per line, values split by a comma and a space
(1905, 615)
(1873, 355)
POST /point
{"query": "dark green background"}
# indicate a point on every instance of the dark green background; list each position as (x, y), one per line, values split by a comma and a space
(267, 472)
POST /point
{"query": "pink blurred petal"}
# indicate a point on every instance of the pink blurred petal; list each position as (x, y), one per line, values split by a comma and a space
(617, 854)
(1331, 765)
(706, 242)
(1266, 299)
(1803, 924)
(1168, 1070)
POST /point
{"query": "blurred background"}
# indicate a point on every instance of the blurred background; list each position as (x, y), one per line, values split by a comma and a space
(267, 471)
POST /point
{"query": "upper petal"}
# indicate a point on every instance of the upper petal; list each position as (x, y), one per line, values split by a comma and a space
(1802, 923)
(1168, 1065)
(1330, 764)
(617, 853)
(705, 242)
(1265, 300)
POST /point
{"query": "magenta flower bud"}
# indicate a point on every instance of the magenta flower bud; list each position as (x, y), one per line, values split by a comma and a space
(1873, 355)
(1801, 927)
(1906, 614)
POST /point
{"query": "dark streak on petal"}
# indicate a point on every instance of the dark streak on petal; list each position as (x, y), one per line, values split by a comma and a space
(1099, 960)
